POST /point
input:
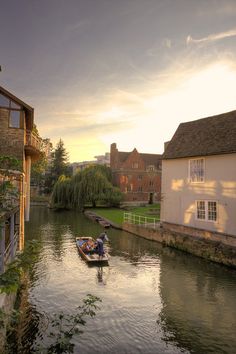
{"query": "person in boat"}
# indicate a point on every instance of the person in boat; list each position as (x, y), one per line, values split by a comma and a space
(88, 246)
(100, 242)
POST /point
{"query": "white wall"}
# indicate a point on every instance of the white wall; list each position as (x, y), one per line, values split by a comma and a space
(179, 195)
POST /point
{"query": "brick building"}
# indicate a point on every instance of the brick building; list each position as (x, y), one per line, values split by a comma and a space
(137, 175)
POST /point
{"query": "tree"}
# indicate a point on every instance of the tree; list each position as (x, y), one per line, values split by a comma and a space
(60, 160)
(89, 186)
(59, 166)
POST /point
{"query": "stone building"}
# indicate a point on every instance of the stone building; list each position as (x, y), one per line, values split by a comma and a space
(17, 140)
(138, 175)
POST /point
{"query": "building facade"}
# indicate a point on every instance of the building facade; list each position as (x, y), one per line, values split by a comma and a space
(17, 141)
(199, 177)
(138, 175)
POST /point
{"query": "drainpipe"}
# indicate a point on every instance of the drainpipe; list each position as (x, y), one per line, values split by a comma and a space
(22, 220)
(27, 197)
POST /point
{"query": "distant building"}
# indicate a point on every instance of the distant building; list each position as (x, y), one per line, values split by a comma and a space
(100, 160)
(138, 175)
(199, 178)
(17, 140)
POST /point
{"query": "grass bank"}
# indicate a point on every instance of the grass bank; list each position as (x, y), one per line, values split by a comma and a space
(116, 215)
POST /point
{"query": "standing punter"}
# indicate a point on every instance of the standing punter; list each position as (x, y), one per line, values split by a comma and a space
(100, 241)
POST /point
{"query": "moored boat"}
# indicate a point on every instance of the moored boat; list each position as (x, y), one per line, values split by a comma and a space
(84, 245)
(104, 223)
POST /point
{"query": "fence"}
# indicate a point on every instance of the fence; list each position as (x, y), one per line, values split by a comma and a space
(146, 221)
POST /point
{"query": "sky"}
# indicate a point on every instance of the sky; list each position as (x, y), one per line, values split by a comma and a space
(125, 71)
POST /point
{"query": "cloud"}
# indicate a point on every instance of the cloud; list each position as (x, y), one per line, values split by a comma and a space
(155, 50)
(167, 43)
(78, 25)
(212, 37)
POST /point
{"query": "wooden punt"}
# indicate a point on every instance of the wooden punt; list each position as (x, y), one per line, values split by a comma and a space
(104, 223)
(91, 258)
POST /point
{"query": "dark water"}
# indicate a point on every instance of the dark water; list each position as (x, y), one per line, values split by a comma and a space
(154, 299)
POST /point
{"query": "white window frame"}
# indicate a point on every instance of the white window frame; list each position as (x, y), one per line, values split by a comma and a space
(199, 180)
(151, 168)
(206, 209)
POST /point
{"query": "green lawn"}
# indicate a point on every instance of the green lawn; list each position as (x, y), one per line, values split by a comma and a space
(116, 215)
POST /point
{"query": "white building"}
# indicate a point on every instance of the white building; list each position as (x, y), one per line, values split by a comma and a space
(199, 176)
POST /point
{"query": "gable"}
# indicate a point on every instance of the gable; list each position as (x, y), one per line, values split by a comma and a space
(10, 102)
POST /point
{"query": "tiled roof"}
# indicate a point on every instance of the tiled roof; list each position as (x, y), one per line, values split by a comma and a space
(208, 136)
(149, 159)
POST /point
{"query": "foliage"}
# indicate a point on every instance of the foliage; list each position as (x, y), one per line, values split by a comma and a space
(8, 192)
(59, 166)
(64, 326)
(91, 185)
(38, 169)
(60, 161)
(61, 194)
(9, 281)
(10, 163)
(2, 318)
(8, 195)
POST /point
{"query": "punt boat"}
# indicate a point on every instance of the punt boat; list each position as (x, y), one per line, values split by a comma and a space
(90, 257)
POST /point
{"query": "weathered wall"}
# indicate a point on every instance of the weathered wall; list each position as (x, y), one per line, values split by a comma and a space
(12, 139)
(205, 248)
(179, 195)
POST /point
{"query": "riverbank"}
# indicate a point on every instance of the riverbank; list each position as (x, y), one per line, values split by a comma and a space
(205, 248)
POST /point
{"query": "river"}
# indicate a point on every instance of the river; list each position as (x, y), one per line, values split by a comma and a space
(154, 299)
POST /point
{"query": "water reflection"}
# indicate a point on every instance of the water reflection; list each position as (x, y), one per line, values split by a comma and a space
(199, 306)
(154, 299)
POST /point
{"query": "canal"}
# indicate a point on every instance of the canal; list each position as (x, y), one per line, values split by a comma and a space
(154, 299)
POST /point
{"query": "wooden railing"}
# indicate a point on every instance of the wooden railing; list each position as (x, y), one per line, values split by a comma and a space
(33, 140)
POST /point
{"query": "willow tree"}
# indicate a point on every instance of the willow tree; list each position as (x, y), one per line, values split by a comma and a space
(61, 195)
(90, 186)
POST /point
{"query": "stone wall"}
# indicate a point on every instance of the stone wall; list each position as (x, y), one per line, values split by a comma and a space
(12, 139)
(202, 247)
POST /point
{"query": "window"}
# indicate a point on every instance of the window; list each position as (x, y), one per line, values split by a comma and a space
(135, 164)
(151, 168)
(4, 101)
(140, 189)
(212, 212)
(140, 177)
(151, 183)
(196, 170)
(14, 119)
(206, 210)
(201, 210)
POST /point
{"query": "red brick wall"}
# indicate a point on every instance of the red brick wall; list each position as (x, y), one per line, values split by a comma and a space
(133, 179)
